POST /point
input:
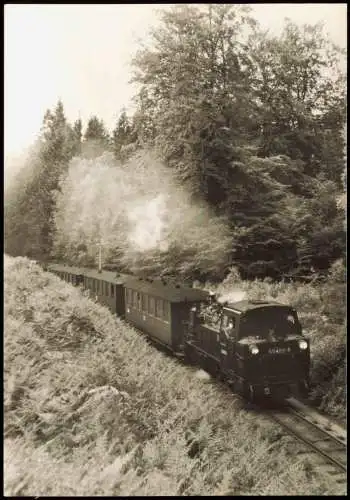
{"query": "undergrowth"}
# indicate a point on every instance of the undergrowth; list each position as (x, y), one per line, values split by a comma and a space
(92, 409)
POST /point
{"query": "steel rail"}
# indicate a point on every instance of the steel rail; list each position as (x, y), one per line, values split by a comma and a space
(300, 435)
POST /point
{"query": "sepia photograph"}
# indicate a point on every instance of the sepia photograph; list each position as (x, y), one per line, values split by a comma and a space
(175, 249)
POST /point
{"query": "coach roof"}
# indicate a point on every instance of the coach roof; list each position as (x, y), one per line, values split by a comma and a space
(109, 276)
(171, 292)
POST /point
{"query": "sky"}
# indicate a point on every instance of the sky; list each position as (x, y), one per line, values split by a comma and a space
(81, 54)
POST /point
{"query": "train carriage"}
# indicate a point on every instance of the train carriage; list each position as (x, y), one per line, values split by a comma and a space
(71, 274)
(107, 287)
(161, 310)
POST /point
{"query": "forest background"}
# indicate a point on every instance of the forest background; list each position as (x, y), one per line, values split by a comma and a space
(234, 156)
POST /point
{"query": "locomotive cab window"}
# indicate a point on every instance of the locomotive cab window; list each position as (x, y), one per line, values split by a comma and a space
(270, 323)
(229, 325)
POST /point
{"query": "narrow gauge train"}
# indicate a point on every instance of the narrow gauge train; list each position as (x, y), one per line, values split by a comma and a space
(257, 346)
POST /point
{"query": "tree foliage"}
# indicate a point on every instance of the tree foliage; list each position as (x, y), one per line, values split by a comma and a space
(29, 203)
(124, 137)
(250, 126)
(254, 124)
(96, 138)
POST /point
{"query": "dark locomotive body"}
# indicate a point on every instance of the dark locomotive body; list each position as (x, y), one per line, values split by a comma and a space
(257, 346)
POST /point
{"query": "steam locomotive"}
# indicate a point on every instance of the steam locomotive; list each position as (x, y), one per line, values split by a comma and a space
(255, 346)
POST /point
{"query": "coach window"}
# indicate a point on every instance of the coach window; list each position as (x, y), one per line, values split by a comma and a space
(159, 308)
(152, 306)
(134, 299)
(106, 289)
(166, 310)
(112, 290)
(145, 302)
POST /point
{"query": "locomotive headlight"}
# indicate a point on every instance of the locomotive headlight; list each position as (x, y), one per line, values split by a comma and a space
(254, 349)
(302, 345)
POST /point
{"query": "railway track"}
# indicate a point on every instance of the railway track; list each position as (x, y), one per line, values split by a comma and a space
(324, 439)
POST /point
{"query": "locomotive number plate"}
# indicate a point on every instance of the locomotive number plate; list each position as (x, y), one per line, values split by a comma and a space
(279, 350)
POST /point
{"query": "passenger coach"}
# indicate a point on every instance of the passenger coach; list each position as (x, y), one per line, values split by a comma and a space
(70, 274)
(105, 287)
(161, 310)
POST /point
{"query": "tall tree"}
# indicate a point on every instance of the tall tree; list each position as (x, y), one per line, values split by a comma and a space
(195, 91)
(247, 121)
(123, 135)
(30, 205)
(96, 137)
(300, 94)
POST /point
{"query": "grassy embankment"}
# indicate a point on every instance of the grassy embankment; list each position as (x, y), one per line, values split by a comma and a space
(92, 409)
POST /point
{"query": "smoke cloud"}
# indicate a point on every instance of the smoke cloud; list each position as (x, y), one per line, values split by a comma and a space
(146, 220)
(233, 296)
